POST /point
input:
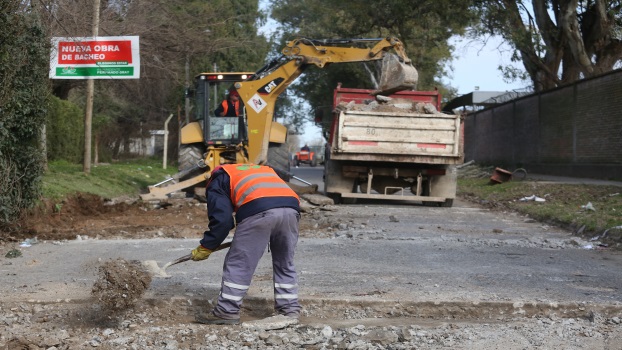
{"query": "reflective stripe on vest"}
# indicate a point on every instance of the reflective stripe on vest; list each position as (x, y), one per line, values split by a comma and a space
(225, 107)
(249, 182)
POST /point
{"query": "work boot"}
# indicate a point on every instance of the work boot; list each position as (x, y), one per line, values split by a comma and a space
(210, 318)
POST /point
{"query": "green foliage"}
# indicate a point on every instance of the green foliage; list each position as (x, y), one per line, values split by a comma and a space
(65, 131)
(105, 180)
(23, 101)
(246, 49)
(178, 40)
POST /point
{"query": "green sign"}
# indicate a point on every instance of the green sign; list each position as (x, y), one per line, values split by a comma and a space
(94, 71)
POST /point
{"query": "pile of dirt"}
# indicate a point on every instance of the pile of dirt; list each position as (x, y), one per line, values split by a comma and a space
(91, 217)
(120, 285)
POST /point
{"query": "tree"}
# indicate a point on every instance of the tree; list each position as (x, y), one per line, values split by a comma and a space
(558, 41)
(23, 100)
(178, 39)
(424, 26)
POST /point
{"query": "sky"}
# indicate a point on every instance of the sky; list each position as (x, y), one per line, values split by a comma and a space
(475, 66)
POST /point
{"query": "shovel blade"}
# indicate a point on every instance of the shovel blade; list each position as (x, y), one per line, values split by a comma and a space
(396, 76)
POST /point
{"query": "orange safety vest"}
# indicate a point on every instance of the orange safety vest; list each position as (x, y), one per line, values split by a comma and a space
(225, 107)
(249, 182)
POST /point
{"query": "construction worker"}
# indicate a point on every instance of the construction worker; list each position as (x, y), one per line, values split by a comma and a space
(267, 212)
(231, 107)
(305, 148)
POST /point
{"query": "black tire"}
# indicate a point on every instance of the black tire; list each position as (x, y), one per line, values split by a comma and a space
(189, 157)
(336, 197)
(425, 191)
(346, 200)
(448, 203)
(278, 157)
(355, 189)
(314, 161)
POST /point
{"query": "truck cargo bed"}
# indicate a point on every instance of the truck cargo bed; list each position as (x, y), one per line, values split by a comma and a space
(381, 134)
(396, 147)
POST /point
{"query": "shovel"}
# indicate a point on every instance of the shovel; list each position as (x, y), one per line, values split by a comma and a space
(156, 271)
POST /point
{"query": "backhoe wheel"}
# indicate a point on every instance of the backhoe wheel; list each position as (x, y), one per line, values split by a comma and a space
(278, 157)
(189, 156)
(314, 161)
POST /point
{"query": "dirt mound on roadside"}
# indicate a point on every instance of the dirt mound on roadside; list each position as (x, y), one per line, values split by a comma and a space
(93, 217)
(120, 285)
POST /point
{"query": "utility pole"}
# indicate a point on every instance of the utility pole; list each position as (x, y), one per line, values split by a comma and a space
(187, 106)
(90, 89)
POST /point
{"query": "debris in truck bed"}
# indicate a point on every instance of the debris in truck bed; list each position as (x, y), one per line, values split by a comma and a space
(389, 104)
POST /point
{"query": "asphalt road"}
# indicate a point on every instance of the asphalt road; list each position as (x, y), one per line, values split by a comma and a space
(383, 254)
(314, 175)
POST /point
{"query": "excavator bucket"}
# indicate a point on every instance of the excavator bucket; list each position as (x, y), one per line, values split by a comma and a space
(396, 76)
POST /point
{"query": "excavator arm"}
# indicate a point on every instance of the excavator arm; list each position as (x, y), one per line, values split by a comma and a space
(260, 93)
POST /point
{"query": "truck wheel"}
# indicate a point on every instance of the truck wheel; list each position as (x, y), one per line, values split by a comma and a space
(278, 157)
(448, 203)
(189, 156)
(336, 197)
(355, 189)
(425, 191)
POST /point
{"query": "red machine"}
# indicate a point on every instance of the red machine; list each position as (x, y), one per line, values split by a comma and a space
(305, 157)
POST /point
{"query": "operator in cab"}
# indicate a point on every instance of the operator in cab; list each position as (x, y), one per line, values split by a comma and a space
(267, 212)
(231, 107)
(305, 148)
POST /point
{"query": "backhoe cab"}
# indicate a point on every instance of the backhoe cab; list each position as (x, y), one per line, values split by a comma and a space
(254, 136)
(211, 140)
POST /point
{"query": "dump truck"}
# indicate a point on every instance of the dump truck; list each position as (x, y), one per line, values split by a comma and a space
(392, 147)
(255, 137)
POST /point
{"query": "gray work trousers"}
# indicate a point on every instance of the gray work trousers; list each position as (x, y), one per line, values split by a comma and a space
(279, 228)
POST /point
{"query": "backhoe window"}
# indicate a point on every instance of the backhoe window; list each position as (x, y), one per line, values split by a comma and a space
(223, 128)
(199, 100)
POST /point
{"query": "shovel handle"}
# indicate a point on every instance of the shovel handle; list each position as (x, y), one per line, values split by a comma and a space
(189, 256)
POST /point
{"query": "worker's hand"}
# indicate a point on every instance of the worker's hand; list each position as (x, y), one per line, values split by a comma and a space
(200, 253)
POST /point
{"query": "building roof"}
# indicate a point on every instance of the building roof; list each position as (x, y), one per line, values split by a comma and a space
(483, 99)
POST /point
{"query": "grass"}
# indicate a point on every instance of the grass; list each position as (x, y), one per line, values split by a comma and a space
(564, 205)
(130, 177)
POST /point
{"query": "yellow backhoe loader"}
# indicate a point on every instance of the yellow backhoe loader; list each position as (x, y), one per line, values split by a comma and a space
(255, 137)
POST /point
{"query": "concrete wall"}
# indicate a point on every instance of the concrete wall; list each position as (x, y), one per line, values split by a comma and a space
(569, 131)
